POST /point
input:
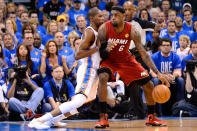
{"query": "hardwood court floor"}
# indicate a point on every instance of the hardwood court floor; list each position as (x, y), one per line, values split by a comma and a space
(174, 124)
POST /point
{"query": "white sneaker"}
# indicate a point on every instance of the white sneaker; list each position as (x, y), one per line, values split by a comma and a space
(56, 124)
(37, 124)
(60, 124)
(33, 123)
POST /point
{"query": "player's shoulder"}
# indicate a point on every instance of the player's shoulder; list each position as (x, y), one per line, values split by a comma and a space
(88, 31)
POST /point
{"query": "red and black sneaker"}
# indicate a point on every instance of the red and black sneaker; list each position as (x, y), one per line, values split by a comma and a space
(27, 116)
(103, 121)
(152, 120)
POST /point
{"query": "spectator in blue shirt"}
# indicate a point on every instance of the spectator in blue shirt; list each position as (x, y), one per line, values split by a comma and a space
(40, 29)
(172, 35)
(81, 24)
(63, 50)
(63, 25)
(20, 10)
(75, 11)
(27, 28)
(169, 63)
(23, 57)
(52, 29)
(71, 36)
(179, 28)
(57, 90)
(34, 24)
(34, 52)
(13, 16)
(187, 6)
(10, 46)
(10, 27)
(24, 17)
(188, 23)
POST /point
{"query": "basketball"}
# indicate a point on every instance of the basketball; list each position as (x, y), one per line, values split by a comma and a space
(161, 94)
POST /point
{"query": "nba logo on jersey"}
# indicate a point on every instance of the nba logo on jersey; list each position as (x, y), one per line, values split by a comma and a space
(126, 35)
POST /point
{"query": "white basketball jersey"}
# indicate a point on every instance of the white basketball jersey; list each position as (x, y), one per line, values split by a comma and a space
(92, 61)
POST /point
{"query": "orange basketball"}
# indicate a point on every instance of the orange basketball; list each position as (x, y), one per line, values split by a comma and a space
(161, 94)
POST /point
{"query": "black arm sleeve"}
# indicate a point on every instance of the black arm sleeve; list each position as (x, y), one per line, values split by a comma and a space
(144, 23)
(103, 53)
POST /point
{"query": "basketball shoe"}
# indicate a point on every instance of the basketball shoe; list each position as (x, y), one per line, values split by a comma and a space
(37, 124)
(103, 121)
(152, 120)
(27, 116)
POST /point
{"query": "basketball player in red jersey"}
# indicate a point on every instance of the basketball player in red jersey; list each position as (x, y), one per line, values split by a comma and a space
(115, 36)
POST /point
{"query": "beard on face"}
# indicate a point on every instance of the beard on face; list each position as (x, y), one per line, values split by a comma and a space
(37, 44)
(115, 24)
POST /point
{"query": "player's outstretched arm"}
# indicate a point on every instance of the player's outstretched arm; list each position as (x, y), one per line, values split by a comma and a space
(135, 36)
(82, 51)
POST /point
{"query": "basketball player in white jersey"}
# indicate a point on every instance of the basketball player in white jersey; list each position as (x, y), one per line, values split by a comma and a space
(86, 75)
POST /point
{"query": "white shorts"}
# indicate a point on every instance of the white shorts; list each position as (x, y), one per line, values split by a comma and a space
(87, 82)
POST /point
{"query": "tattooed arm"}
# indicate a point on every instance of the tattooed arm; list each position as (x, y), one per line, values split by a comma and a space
(105, 46)
(135, 36)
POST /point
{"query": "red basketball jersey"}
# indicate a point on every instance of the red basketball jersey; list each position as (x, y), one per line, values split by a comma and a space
(123, 39)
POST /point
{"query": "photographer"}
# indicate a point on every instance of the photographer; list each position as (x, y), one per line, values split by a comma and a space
(23, 93)
(193, 55)
(188, 106)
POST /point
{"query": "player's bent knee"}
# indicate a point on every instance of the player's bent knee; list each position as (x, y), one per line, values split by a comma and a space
(75, 103)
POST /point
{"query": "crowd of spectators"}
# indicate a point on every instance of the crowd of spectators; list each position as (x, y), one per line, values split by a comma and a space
(41, 41)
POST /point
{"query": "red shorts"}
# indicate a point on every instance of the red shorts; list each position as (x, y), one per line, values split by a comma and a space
(128, 68)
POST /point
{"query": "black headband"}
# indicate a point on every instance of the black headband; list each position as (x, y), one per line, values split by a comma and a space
(118, 8)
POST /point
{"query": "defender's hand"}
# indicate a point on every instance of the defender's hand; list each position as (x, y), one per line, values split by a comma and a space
(163, 79)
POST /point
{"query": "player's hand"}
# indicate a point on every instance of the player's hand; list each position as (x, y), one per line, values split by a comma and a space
(110, 46)
(170, 78)
(163, 79)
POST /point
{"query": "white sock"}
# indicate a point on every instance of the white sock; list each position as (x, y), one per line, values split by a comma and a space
(46, 117)
(74, 112)
(57, 118)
